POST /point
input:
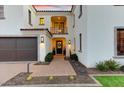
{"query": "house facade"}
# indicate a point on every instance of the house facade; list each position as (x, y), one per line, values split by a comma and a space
(94, 33)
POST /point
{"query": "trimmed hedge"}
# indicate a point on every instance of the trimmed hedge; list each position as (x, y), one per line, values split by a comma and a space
(74, 57)
(49, 57)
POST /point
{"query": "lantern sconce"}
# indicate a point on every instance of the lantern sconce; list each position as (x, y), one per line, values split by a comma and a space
(69, 42)
(42, 39)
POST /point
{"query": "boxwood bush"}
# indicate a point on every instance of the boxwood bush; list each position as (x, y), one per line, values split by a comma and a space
(49, 57)
(74, 57)
(108, 65)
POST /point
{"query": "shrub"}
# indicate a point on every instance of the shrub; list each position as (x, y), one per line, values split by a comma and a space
(74, 57)
(122, 68)
(108, 65)
(49, 57)
(102, 66)
(53, 51)
(112, 64)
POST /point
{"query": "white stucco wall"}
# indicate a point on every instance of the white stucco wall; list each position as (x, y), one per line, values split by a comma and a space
(48, 44)
(42, 49)
(81, 27)
(16, 17)
(13, 20)
(100, 30)
(25, 16)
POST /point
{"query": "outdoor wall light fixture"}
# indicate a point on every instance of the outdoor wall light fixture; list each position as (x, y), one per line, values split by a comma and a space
(42, 45)
(42, 39)
(69, 42)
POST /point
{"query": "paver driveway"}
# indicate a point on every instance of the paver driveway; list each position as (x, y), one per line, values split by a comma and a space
(9, 70)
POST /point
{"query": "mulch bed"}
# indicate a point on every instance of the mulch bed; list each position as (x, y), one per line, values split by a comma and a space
(42, 63)
(96, 71)
(20, 79)
(78, 67)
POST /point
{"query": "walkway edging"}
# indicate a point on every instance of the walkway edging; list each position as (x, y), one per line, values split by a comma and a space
(97, 82)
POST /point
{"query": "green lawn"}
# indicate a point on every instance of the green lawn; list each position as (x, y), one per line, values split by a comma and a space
(111, 81)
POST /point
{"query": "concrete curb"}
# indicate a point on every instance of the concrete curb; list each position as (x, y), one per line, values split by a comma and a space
(57, 85)
(106, 74)
(97, 82)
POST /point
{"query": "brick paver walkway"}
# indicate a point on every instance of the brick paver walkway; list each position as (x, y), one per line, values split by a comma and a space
(58, 67)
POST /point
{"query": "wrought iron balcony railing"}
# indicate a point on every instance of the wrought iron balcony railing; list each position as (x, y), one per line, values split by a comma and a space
(58, 30)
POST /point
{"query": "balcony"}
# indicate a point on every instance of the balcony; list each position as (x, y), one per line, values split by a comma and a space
(58, 31)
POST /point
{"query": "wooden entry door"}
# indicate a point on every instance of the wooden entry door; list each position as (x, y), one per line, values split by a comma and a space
(59, 45)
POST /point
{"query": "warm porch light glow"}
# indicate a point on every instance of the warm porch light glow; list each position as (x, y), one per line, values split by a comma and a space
(58, 18)
(59, 30)
(42, 45)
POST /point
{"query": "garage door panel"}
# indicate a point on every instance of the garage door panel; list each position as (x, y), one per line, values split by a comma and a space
(18, 48)
(7, 43)
(26, 55)
(27, 49)
(26, 43)
(7, 55)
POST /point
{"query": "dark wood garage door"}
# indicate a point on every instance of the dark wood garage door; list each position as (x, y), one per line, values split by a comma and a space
(18, 48)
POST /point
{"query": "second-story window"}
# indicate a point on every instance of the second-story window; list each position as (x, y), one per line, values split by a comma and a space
(42, 21)
(29, 17)
(1, 12)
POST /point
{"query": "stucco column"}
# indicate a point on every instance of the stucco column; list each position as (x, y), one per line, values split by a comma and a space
(68, 48)
(42, 48)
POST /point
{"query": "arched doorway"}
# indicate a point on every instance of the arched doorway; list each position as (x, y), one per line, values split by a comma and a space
(59, 46)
